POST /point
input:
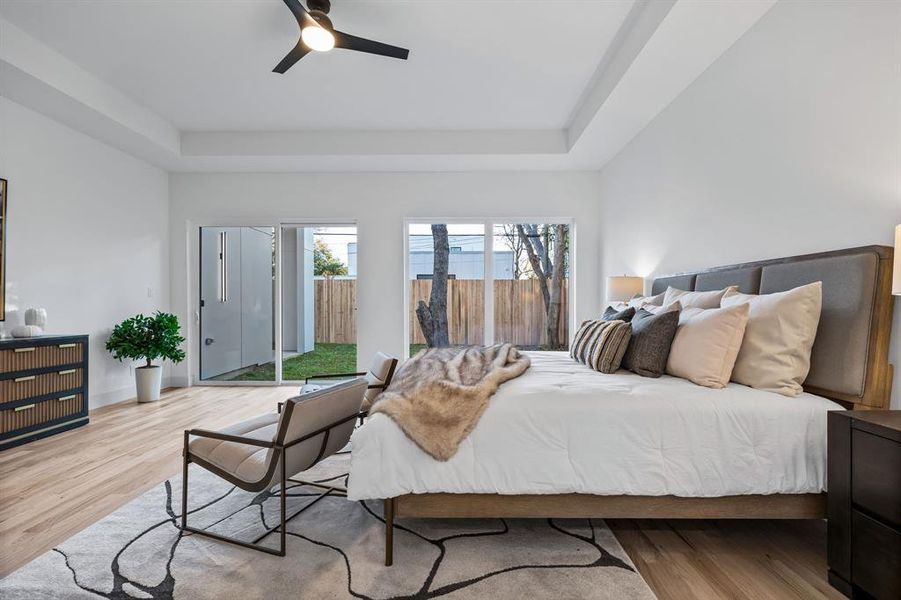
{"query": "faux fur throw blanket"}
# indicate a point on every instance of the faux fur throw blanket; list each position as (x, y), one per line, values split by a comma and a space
(438, 396)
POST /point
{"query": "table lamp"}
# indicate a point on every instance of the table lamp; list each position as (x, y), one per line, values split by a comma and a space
(623, 287)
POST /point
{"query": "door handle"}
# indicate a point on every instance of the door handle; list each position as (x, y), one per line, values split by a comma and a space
(208, 341)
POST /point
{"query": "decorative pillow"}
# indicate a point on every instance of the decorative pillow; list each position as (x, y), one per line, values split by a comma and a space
(696, 299)
(601, 344)
(775, 352)
(706, 344)
(657, 310)
(649, 346)
(638, 301)
(611, 314)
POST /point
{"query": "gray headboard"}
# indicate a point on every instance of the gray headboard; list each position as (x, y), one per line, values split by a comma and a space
(850, 355)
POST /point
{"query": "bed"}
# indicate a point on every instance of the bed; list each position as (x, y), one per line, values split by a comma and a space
(565, 441)
(564, 428)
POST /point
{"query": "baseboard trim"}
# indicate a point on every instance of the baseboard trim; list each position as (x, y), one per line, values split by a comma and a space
(123, 394)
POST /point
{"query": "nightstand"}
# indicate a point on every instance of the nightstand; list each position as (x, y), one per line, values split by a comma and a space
(864, 503)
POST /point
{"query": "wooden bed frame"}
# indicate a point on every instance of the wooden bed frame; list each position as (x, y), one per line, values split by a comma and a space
(876, 395)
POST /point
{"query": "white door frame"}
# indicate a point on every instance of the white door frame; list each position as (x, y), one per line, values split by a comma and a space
(192, 332)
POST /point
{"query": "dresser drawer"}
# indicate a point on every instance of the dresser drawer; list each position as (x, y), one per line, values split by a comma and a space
(875, 557)
(876, 475)
(37, 357)
(27, 415)
(29, 386)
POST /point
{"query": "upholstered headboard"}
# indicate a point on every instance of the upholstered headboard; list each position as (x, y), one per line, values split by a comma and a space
(849, 362)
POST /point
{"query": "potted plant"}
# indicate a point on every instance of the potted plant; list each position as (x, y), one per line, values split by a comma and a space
(147, 338)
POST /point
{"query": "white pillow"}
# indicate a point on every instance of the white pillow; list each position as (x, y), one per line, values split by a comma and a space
(639, 301)
(775, 352)
(657, 310)
(706, 344)
(696, 299)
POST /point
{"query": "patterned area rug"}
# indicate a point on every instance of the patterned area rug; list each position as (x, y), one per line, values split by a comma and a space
(335, 550)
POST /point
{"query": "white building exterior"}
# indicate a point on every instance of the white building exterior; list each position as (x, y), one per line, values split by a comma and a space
(466, 261)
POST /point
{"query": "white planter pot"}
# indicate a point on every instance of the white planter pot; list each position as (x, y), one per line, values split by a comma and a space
(149, 380)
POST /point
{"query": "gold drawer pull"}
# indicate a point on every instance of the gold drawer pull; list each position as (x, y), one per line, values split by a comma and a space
(64, 398)
(21, 408)
(23, 379)
(67, 372)
(32, 349)
(67, 345)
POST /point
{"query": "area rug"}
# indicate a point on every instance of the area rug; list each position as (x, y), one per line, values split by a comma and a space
(335, 550)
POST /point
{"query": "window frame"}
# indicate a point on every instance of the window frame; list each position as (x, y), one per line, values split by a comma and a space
(488, 301)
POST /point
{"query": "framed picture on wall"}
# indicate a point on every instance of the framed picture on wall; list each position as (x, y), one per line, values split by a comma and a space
(3, 219)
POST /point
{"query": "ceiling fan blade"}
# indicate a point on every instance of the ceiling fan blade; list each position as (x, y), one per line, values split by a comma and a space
(298, 52)
(300, 13)
(352, 42)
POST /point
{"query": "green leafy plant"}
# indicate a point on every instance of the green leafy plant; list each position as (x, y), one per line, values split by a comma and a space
(147, 338)
(325, 263)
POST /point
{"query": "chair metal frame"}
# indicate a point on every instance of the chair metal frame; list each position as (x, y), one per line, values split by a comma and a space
(377, 386)
(280, 448)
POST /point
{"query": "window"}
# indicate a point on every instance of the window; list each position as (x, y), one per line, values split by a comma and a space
(524, 300)
(455, 254)
(531, 285)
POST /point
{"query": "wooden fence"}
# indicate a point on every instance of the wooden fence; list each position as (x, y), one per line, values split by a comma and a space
(519, 314)
(336, 311)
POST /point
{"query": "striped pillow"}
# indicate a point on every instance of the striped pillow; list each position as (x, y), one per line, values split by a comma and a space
(601, 344)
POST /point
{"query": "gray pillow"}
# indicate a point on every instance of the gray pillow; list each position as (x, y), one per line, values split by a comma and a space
(652, 336)
(611, 314)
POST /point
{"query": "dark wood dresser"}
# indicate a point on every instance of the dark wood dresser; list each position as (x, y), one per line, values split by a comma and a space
(864, 503)
(43, 387)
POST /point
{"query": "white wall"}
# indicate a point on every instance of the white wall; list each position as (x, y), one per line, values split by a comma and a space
(87, 236)
(378, 203)
(789, 143)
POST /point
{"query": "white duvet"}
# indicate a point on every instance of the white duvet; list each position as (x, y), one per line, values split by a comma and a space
(562, 428)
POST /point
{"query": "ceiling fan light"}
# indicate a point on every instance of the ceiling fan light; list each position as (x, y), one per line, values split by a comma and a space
(318, 38)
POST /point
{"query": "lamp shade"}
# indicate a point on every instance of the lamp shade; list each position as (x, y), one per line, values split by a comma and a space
(623, 287)
(896, 279)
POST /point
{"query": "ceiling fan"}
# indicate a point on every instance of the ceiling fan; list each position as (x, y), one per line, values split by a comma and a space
(317, 33)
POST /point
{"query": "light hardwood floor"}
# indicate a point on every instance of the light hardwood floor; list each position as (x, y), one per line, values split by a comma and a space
(53, 488)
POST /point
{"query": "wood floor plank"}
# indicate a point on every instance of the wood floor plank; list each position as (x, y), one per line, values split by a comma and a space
(741, 559)
(53, 488)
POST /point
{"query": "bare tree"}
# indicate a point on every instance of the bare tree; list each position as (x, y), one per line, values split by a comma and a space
(514, 241)
(433, 316)
(546, 251)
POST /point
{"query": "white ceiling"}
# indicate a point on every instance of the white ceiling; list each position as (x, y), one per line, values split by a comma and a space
(202, 64)
(490, 84)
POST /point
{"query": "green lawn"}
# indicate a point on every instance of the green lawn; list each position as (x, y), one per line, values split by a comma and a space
(325, 358)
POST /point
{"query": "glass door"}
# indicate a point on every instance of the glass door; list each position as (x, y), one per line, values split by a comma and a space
(318, 300)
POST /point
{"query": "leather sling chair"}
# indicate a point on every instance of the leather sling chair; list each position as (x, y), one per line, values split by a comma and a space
(270, 449)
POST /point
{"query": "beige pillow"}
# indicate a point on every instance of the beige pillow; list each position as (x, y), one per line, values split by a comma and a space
(707, 343)
(775, 353)
(696, 299)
